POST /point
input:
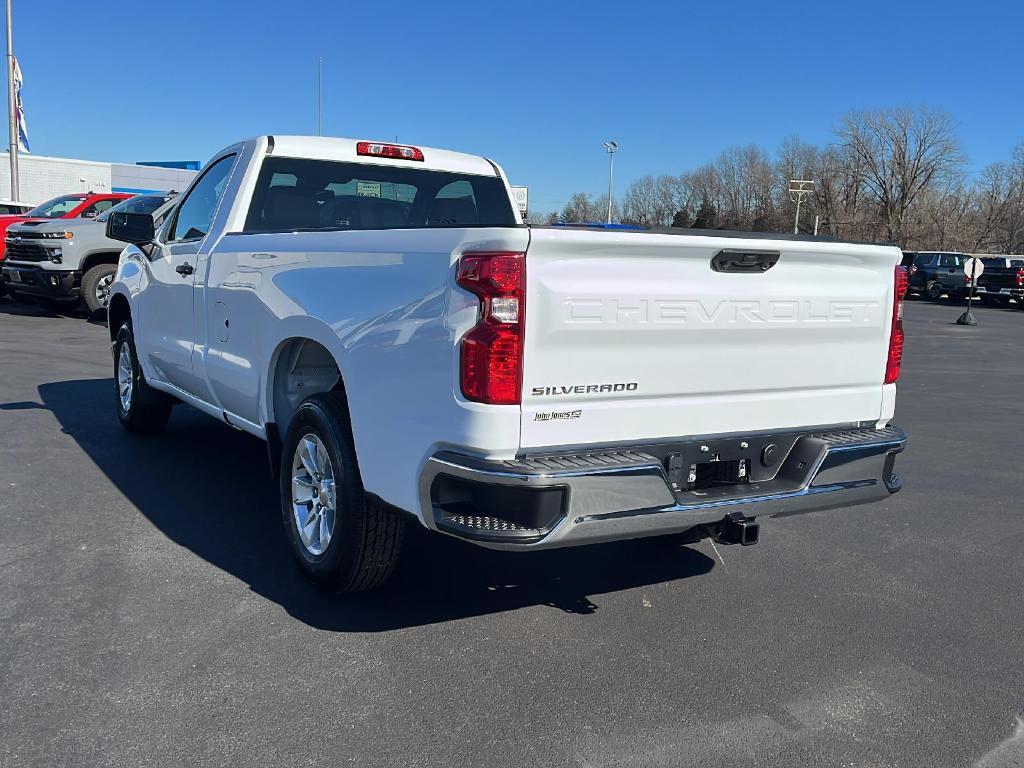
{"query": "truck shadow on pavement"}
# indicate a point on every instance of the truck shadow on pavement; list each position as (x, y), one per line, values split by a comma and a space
(207, 488)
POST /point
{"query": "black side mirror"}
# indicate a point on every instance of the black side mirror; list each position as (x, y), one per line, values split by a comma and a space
(134, 228)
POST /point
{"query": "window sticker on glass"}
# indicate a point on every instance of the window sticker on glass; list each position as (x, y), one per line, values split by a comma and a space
(368, 188)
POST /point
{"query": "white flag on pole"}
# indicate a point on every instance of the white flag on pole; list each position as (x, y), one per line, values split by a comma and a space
(22, 125)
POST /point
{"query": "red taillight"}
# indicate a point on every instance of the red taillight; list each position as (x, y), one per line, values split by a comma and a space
(393, 151)
(492, 351)
(1020, 277)
(892, 365)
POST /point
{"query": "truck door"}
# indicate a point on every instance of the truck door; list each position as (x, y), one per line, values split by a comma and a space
(168, 328)
(951, 273)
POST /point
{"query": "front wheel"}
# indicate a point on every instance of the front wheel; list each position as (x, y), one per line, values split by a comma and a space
(96, 286)
(140, 408)
(342, 540)
(933, 291)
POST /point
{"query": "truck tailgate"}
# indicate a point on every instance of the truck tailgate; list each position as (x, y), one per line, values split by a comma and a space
(634, 336)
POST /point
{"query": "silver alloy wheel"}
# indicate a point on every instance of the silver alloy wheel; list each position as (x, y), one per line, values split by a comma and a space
(125, 379)
(314, 496)
(103, 289)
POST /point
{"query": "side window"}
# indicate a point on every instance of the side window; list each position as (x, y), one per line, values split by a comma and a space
(195, 214)
(97, 208)
(947, 261)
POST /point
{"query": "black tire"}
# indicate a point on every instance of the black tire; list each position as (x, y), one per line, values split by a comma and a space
(933, 291)
(366, 538)
(147, 409)
(91, 286)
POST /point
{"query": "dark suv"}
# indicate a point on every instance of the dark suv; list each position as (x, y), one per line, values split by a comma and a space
(934, 273)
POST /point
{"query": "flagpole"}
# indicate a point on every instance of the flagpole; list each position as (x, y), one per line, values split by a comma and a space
(12, 111)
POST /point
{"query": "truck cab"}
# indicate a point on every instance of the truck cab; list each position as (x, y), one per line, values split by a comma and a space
(934, 274)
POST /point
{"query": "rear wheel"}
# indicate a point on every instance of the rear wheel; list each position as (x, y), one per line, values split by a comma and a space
(140, 408)
(96, 286)
(933, 291)
(342, 540)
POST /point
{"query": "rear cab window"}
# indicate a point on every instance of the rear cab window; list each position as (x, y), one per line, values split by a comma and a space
(298, 194)
(100, 206)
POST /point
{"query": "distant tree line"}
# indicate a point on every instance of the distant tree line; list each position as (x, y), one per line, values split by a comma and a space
(895, 175)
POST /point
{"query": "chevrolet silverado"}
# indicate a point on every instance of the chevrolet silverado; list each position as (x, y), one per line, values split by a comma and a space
(410, 350)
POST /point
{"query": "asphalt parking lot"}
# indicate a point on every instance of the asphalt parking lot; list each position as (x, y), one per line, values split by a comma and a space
(150, 614)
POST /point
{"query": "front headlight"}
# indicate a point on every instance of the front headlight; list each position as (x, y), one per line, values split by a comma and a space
(58, 235)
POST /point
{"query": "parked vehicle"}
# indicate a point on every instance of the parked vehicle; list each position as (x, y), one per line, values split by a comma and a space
(68, 260)
(934, 274)
(87, 205)
(1002, 280)
(380, 315)
(14, 208)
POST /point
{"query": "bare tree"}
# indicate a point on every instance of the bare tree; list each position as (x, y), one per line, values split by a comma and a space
(898, 154)
(894, 175)
(654, 202)
(580, 208)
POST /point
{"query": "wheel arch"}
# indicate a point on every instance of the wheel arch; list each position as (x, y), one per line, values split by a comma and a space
(99, 257)
(119, 312)
(300, 365)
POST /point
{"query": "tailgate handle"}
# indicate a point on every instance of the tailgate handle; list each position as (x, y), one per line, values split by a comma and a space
(747, 262)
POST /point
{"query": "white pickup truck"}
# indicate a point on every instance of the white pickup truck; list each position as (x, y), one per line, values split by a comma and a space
(408, 348)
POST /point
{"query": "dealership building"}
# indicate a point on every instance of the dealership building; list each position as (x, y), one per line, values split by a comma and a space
(43, 177)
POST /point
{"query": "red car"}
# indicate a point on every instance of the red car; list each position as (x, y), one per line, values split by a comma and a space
(84, 205)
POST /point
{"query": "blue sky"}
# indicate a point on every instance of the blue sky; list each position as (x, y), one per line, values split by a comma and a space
(536, 86)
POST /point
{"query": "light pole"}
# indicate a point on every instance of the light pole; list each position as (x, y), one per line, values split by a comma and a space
(797, 189)
(12, 111)
(611, 147)
(319, 95)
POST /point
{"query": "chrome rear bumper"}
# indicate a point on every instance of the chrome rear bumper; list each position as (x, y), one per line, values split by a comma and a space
(625, 493)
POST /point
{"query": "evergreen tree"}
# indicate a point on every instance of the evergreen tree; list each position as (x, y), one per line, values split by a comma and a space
(681, 218)
(707, 216)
